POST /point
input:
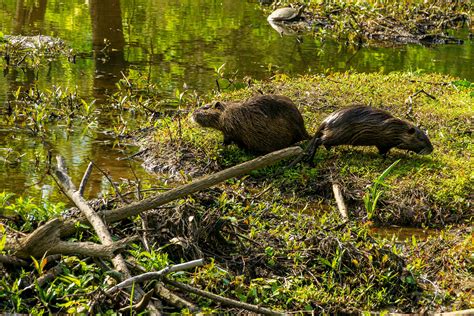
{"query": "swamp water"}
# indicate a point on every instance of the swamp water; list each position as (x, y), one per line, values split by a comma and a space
(176, 43)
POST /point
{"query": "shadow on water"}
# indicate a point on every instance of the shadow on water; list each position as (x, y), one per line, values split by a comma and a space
(174, 42)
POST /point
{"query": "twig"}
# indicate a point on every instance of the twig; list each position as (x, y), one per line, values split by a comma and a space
(111, 182)
(13, 261)
(134, 155)
(173, 299)
(48, 277)
(155, 275)
(341, 206)
(140, 306)
(85, 178)
(418, 92)
(223, 300)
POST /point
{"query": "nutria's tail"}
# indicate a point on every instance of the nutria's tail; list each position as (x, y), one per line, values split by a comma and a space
(309, 153)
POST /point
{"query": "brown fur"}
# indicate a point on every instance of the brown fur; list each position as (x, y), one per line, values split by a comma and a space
(260, 124)
(367, 126)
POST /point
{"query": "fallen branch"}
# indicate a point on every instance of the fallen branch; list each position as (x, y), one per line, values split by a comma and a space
(136, 208)
(92, 217)
(96, 221)
(155, 275)
(341, 206)
(13, 261)
(45, 239)
(46, 278)
(222, 300)
(85, 178)
(174, 299)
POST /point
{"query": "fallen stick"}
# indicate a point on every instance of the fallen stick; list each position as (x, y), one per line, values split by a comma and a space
(155, 275)
(223, 300)
(13, 261)
(46, 278)
(92, 217)
(45, 239)
(174, 299)
(341, 206)
(96, 221)
(136, 208)
(85, 178)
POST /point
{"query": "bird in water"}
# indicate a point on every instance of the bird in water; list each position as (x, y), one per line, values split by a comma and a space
(287, 14)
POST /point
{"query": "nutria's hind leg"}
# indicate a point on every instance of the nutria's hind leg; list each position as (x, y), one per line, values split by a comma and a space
(383, 150)
(308, 154)
(311, 150)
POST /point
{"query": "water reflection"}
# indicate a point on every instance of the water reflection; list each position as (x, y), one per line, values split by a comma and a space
(108, 44)
(31, 14)
(284, 29)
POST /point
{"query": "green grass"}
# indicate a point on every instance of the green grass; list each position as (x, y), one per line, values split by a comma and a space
(426, 190)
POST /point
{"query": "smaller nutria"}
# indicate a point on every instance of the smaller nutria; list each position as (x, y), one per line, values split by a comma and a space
(367, 126)
(261, 124)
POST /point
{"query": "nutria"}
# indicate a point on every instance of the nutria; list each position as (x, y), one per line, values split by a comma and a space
(260, 124)
(367, 126)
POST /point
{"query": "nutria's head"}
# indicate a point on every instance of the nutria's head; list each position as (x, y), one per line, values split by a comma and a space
(209, 115)
(414, 139)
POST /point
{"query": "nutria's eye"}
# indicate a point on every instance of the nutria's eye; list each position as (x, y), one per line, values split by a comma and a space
(218, 106)
(411, 130)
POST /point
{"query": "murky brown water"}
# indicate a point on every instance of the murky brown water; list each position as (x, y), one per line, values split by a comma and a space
(175, 42)
(405, 233)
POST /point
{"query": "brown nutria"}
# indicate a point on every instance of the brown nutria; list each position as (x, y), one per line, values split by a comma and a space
(367, 126)
(260, 124)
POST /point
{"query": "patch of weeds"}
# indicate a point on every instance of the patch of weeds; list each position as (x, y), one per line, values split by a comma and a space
(31, 51)
(34, 110)
(27, 212)
(375, 191)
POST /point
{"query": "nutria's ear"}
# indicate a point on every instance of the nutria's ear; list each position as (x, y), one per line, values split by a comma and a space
(218, 106)
(411, 130)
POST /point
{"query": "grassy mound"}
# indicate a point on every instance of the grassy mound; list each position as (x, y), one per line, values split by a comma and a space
(420, 191)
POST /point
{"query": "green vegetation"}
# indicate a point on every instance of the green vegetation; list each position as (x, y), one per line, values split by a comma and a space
(392, 22)
(274, 238)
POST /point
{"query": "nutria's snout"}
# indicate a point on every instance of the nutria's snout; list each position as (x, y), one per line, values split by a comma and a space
(426, 150)
(208, 115)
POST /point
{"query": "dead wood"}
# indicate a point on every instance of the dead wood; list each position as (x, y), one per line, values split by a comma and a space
(136, 208)
(38, 242)
(85, 178)
(45, 239)
(96, 221)
(46, 278)
(173, 299)
(13, 261)
(140, 306)
(92, 217)
(341, 206)
(155, 275)
(223, 300)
